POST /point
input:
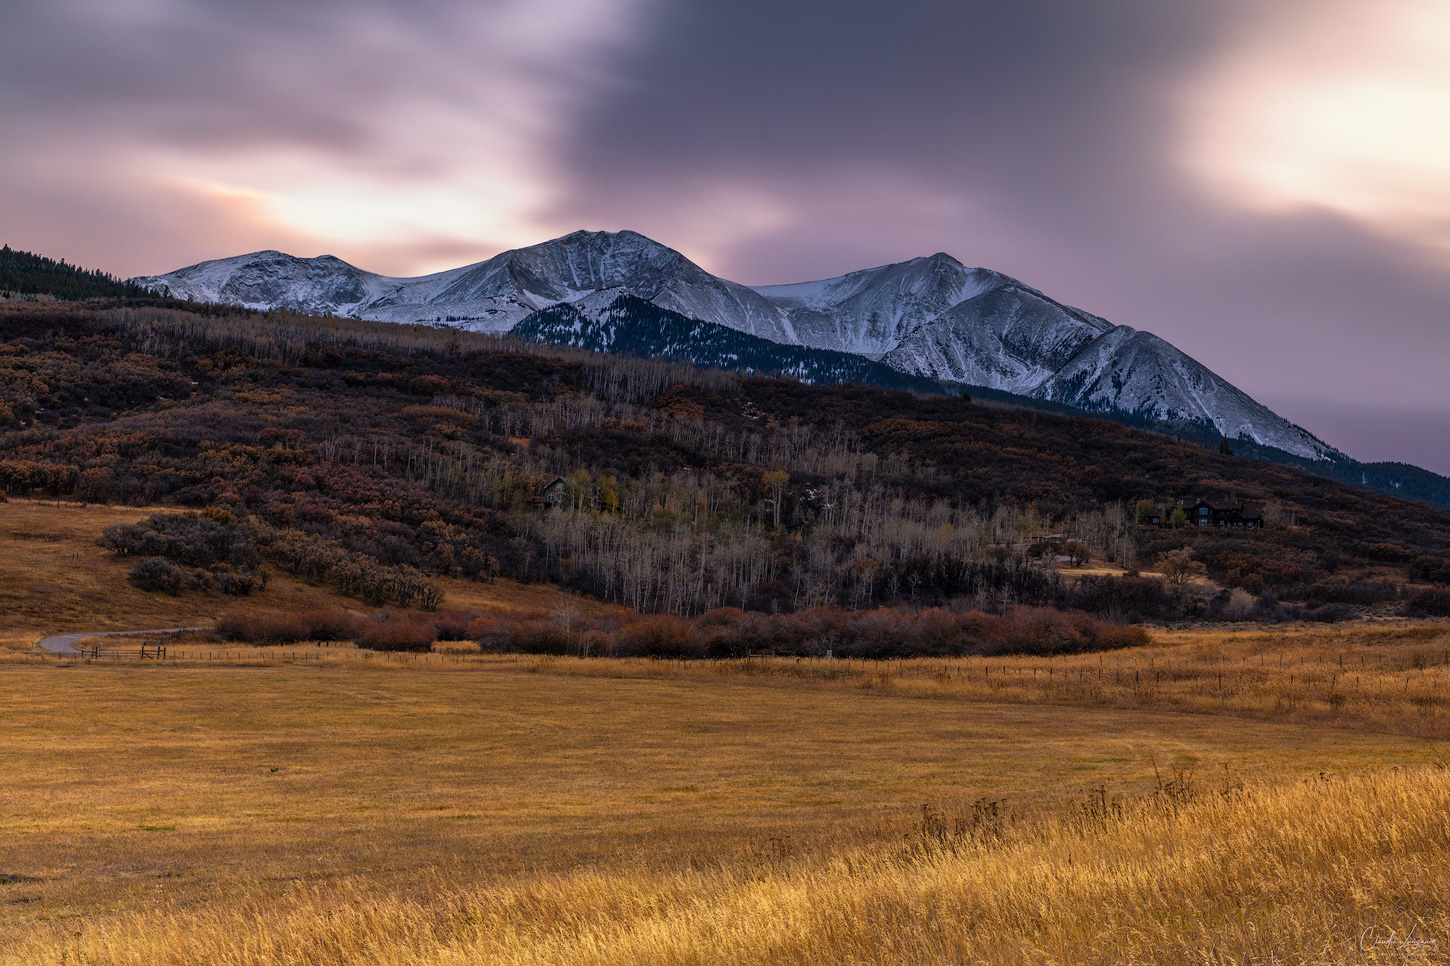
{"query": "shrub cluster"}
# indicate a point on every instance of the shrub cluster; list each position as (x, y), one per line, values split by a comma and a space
(1236, 605)
(895, 632)
(314, 625)
(1434, 602)
(1431, 570)
(1129, 599)
(199, 551)
(162, 576)
(192, 539)
(1359, 592)
(320, 560)
(385, 630)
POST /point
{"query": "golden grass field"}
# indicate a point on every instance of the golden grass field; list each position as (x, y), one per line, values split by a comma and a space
(322, 806)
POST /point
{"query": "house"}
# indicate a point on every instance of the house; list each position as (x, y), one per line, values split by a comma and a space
(546, 493)
(555, 492)
(1202, 513)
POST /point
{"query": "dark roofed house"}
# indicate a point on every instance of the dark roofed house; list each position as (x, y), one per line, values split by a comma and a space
(554, 492)
(1202, 513)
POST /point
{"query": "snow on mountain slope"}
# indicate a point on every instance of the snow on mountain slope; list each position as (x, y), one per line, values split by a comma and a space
(1138, 373)
(927, 317)
(266, 280)
(488, 296)
(1009, 337)
(869, 312)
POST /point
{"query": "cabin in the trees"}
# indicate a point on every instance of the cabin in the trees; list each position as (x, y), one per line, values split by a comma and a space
(1202, 513)
(555, 492)
(547, 493)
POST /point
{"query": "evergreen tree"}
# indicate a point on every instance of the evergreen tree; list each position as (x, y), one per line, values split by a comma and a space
(25, 273)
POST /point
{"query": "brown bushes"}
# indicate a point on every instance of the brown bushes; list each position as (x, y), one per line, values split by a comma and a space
(539, 636)
(878, 634)
(661, 636)
(316, 625)
(898, 632)
(396, 632)
(385, 630)
(1433, 602)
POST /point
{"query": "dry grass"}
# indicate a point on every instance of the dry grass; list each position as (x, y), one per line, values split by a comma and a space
(1343, 872)
(1390, 676)
(232, 792)
(325, 806)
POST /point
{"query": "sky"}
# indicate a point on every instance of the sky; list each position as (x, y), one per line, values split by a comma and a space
(1264, 183)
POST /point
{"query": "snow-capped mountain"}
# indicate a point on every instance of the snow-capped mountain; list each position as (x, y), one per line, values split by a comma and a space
(1008, 337)
(870, 312)
(1138, 373)
(621, 323)
(490, 296)
(931, 318)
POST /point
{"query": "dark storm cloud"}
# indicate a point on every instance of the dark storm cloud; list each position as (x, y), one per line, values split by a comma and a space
(1052, 108)
(1039, 138)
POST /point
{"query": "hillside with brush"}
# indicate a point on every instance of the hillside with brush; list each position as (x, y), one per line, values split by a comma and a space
(372, 457)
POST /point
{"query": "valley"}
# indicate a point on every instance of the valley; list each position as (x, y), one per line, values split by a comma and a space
(527, 653)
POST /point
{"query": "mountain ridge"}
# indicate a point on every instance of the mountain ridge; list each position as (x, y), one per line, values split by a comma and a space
(930, 317)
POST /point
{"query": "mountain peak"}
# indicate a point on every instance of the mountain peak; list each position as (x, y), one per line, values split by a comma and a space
(929, 317)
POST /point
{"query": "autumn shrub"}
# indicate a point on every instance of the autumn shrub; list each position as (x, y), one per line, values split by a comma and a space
(1130, 599)
(1329, 613)
(1431, 570)
(1433, 602)
(454, 625)
(491, 633)
(395, 631)
(539, 636)
(329, 624)
(808, 633)
(238, 583)
(1360, 592)
(661, 635)
(191, 539)
(725, 632)
(596, 643)
(1230, 605)
(899, 632)
(163, 576)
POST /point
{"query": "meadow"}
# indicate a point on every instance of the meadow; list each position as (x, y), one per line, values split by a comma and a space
(488, 812)
(1221, 795)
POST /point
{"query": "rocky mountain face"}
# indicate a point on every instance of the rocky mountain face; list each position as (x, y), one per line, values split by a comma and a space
(627, 325)
(870, 312)
(929, 318)
(1009, 337)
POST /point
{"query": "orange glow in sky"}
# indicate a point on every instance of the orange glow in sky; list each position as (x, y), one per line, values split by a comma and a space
(1344, 107)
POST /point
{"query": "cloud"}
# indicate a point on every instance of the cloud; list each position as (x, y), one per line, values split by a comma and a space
(370, 124)
(1250, 179)
(1338, 106)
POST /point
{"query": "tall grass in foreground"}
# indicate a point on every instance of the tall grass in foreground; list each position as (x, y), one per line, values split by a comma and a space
(1340, 871)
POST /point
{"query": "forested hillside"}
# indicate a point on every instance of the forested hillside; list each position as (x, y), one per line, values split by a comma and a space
(370, 456)
(632, 326)
(23, 273)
